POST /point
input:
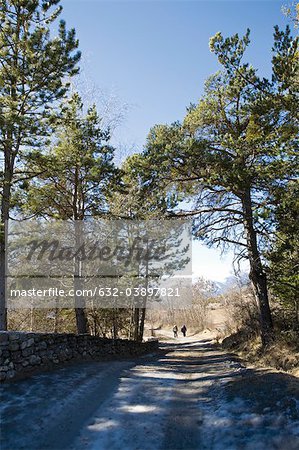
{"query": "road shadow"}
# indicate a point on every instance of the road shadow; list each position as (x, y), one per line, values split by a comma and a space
(189, 395)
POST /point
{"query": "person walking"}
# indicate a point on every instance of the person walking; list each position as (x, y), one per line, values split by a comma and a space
(184, 330)
(175, 331)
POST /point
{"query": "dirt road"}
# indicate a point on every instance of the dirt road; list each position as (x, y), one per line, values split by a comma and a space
(190, 396)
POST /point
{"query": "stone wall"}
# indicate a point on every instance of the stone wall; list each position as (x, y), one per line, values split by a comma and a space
(23, 353)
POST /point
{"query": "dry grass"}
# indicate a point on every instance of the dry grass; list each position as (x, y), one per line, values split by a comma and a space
(282, 354)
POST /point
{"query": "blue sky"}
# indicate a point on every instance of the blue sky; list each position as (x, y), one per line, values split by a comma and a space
(154, 57)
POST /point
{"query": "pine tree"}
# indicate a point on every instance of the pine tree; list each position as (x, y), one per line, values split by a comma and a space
(77, 174)
(232, 150)
(33, 67)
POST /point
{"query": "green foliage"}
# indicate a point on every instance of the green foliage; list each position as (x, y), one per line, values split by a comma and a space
(284, 255)
(241, 136)
(134, 200)
(236, 147)
(32, 71)
(77, 174)
(232, 164)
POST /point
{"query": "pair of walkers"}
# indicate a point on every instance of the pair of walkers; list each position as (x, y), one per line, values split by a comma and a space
(183, 330)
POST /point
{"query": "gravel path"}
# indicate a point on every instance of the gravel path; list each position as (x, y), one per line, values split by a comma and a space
(189, 396)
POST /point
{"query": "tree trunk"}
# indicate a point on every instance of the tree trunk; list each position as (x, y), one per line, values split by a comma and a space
(257, 274)
(114, 325)
(31, 319)
(3, 311)
(56, 315)
(143, 309)
(5, 204)
(81, 320)
(141, 327)
(136, 324)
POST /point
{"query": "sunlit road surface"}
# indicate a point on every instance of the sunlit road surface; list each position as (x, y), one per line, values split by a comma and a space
(188, 396)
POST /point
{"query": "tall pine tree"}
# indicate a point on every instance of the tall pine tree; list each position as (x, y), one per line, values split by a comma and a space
(77, 175)
(33, 67)
(234, 148)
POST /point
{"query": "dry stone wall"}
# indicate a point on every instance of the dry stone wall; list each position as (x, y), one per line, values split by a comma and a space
(22, 353)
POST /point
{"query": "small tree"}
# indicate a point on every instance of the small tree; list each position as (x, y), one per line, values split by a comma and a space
(131, 204)
(135, 202)
(76, 174)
